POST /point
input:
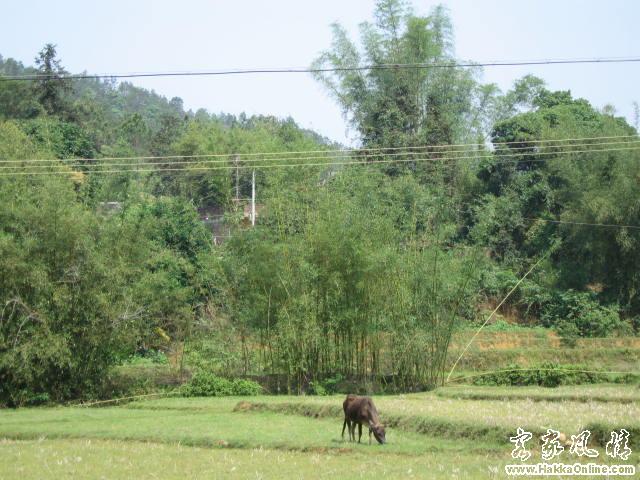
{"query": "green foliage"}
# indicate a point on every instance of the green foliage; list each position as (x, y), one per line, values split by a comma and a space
(150, 357)
(245, 387)
(218, 350)
(80, 290)
(501, 325)
(547, 374)
(327, 386)
(64, 139)
(317, 388)
(331, 384)
(59, 322)
(16, 97)
(206, 384)
(573, 314)
(628, 378)
(403, 107)
(51, 85)
(352, 274)
(568, 332)
(579, 314)
(592, 187)
(322, 285)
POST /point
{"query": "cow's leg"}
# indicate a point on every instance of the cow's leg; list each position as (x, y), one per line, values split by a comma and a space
(344, 426)
(369, 435)
(359, 432)
(352, 431)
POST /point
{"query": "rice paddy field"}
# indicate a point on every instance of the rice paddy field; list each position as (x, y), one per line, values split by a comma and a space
(453, 432)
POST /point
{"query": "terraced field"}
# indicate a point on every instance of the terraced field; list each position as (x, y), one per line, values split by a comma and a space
(436, 435)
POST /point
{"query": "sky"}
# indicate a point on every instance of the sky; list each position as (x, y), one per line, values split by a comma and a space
(165, 35)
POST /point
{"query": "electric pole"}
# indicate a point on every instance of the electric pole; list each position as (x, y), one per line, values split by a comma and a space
(253, 198)
(236, 161)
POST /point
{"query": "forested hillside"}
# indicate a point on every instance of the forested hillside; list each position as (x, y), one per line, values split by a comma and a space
(362, 263)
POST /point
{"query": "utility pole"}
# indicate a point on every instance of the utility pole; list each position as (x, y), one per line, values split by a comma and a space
(236, 161)
(253, 198)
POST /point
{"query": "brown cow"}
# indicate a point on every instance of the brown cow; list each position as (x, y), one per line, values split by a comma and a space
(358, 410)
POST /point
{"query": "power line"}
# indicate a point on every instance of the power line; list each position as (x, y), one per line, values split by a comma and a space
(385, 66)
(255, 161)
(382, 150)
(315, 164)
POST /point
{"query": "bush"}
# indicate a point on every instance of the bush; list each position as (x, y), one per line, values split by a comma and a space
(316, 388)
(496, 282)
(332, 384)
(628, 378)
(573, 314)
(545, 375)
(568, 332)
(149, 357)
(221, 350)
(582, 310)
(246, 387)
(328, 386)
(502, 326)
(206, 384)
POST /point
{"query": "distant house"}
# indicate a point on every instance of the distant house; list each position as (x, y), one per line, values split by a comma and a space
(109, 207)
(246, 213)
(214, 219)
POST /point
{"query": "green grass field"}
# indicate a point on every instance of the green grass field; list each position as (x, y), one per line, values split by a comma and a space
(435, 435)
(479, 418)
(117, 459)
(582, 393)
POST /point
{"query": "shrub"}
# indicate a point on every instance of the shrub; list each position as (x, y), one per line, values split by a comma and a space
(246, 387)
(149, 357)
(628, 378)
(502, 326)
(316, 388)
(328, 386)
(590, 319)
(496, 282)
(568, 332)
(332, 384)
(547, 374)
(206, 384)
(573, 314)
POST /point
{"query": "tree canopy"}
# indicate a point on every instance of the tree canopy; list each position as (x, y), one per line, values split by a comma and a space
(110, 247)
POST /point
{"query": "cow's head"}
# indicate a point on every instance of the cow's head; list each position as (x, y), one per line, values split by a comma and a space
(379, 433)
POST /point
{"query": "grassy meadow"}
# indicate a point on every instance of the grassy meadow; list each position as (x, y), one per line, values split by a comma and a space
(453, 432)
(459, 431)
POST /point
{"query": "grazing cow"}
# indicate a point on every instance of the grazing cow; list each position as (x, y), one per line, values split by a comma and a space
(359, 410)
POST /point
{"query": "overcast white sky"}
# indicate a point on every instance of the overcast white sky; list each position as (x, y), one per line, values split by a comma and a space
(161, 35)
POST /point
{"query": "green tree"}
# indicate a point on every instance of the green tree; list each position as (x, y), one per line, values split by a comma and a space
(527, 186)
(51, 85)
(16, 97)
(400, 107)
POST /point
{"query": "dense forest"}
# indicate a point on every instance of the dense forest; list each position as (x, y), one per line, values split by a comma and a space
(361, 270)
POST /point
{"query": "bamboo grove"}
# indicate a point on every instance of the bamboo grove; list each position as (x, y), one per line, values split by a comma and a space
(123, 233)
